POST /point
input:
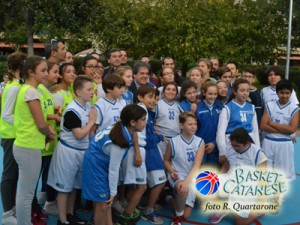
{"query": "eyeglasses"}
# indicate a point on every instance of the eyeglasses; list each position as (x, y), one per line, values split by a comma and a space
(94, 67)
(246, 76)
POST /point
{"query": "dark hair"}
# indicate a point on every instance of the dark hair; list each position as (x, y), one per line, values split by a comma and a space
(30, 64)
(50, 65)
(111, 81)
(223, 70)
(145, 89)
(80, 81)
(15, 61)
(235, 87)
(168, 57)
(183, 116)
(62, 69)
(170, 83)
(232, 62)
(129, 113)
(138, 65)
(249, 70)
(277, 70)
(206, 85)
(85, 61)
(284, 84)
(51, 46)
(206, 61)
(108, 55)
(184, 87)
(241, 136)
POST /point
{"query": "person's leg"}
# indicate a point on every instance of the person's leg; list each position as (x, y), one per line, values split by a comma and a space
(135, 198)
(71, 202)
(154, 195)
(29, 162)
(9, 176)
(62, 200)
(101, 213)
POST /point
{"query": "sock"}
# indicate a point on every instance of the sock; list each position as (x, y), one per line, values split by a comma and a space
(179, 213)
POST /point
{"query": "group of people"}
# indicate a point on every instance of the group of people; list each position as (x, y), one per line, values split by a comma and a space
(119, 134)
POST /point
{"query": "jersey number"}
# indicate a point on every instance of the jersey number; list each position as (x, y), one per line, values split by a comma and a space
(171, 115)
(190, 156)
(243, 117)
(116, 118)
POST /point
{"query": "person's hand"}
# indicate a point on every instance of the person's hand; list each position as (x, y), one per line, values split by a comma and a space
(209, 147)
(174, 175)
(110, 201)
(222, 159)
(183, 187)
(137, 159)
(193, 107)
(93, 115)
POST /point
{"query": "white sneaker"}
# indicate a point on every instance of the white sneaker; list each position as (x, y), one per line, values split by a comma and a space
(9, 217)
(118, 206)
(42, 198)
(51, 208)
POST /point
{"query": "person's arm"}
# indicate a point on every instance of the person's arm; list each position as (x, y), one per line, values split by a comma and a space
(79, 132)
(221, 136)
(116, 156)
(255, 129)
(264, 123)
(184, 186)
(137, 155)
(167, 162)
(287, 129)
(9, 106)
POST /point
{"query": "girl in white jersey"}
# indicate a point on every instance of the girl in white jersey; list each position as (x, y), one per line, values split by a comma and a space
(167, 115)
(182, 160)
(242, 153)
(279, 121)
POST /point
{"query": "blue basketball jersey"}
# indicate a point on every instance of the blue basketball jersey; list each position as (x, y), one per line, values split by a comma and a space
(128, 97)
(239, 116)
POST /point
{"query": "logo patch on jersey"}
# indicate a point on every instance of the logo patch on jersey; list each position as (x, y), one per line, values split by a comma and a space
(277, 121)
(139, 179)
(102, 195)
(60, 185)
(207, 183)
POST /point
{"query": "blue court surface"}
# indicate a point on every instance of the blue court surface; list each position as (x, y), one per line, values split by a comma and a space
(289, 213)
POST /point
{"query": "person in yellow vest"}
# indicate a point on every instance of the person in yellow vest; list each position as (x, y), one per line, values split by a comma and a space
(48, 194)
(7, 131)
(32, 132)
(62, 93)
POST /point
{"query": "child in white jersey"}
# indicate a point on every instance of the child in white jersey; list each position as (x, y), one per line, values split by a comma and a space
(167, 115)
(109, 107)
(182, 160)
(66, 165)
(242, 154)
(279, 121)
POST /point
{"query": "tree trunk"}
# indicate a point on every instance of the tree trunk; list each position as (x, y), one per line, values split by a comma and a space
(30, 31)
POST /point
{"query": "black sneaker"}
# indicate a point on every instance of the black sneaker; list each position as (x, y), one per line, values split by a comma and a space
(75, 220)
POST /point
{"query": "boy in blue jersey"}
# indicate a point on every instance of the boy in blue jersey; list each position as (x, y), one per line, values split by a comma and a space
(156, 176)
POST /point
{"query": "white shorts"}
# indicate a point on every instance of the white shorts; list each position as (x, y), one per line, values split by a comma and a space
(280, 156)
(191, 196)
(65, 170)
(132, 174)
(156, 177)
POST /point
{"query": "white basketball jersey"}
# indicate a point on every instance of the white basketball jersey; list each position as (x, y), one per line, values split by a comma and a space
(167, 118)
(66, 136)
(183, 154)
(108, 112)
(282, 115)
(142, 134)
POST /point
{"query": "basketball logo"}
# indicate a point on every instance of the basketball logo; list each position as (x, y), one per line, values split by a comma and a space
(207, 183)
